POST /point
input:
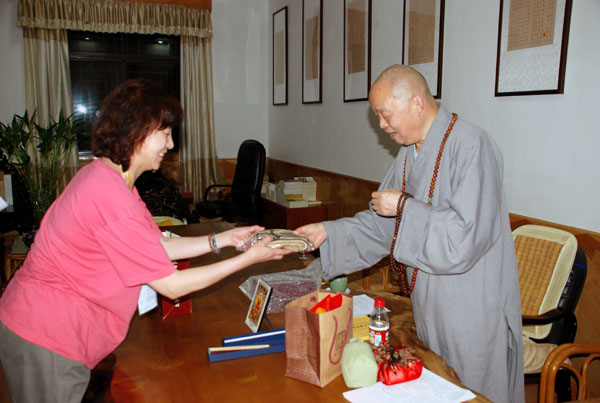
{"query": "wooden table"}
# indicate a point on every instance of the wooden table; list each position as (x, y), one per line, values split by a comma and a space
(166, 360)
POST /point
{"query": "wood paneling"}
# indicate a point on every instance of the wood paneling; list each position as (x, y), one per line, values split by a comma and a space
(343, 195)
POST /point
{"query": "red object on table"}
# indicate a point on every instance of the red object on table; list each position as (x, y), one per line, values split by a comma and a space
(329, 303)
(181, 306)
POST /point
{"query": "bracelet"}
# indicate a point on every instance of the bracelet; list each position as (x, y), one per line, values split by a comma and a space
(212, 242)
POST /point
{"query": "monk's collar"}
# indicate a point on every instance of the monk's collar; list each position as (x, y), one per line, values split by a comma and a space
(436, 131)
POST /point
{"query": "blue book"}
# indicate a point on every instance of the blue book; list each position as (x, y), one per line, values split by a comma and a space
(248, 345)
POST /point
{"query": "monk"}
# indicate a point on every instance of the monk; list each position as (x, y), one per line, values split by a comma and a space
(453, 241)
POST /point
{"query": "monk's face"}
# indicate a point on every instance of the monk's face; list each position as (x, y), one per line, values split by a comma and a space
(396, 114)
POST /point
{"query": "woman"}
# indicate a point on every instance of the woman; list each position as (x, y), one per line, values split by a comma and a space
(71, 303)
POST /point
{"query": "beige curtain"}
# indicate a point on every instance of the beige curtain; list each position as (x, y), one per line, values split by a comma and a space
(48, 82)
(198, 160)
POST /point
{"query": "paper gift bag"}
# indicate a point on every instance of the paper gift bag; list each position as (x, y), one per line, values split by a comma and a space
(183, 305)
(314, 342)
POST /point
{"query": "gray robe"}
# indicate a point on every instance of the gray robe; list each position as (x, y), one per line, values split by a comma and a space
(466, 301)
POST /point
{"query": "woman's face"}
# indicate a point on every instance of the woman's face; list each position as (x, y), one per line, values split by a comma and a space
(152, 151)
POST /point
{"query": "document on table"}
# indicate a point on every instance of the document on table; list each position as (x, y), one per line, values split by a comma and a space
(429, 388)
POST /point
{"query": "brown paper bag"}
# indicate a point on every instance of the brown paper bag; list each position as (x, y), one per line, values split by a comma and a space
(314, 342)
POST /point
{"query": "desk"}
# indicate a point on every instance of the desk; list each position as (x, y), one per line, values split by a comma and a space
(275, 215)
(166, 361)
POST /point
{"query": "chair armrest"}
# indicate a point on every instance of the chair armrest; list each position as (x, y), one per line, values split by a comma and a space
(545, 318)
(211, 187)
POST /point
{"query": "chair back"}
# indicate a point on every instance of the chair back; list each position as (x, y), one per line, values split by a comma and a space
(561, 358)
(244, 198)
(545, 258)
(161, 196)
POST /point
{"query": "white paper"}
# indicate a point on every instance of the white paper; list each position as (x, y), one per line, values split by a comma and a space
(148, 299)
(3, 204)
(429, 388)
(363, 305)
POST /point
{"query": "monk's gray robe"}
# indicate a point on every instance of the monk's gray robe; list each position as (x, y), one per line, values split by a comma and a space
(466, 301)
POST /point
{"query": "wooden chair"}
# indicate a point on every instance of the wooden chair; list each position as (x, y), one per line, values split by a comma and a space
(561, 358)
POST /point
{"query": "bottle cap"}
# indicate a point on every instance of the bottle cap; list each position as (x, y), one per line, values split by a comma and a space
(379, 303)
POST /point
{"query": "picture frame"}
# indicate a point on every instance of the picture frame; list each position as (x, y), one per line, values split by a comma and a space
(423, 40)
(357, 50)
(312, 51)
(533, 38)
(280, 57)
(258, 305)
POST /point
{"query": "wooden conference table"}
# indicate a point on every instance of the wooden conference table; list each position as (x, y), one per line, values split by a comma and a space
(166, 360)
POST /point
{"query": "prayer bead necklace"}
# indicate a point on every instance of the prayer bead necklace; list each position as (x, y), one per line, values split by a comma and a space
(398, 268)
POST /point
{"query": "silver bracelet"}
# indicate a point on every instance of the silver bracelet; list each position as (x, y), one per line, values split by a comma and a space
(213, 242)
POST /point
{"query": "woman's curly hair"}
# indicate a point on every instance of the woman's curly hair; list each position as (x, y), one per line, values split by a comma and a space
(130, 113)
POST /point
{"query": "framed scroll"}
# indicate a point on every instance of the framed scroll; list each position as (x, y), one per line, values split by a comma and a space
(280, 57)
(357, 50)
(312, 51)
(532, 47)
(423, 40)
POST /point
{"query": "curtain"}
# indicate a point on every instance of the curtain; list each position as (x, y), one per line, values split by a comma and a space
(198, 160)
(48, 82)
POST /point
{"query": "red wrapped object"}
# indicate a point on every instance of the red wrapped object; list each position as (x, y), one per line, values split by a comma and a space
(396, 364)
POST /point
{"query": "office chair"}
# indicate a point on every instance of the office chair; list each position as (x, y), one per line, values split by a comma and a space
(242, 202)
(162, 197)
(552, 272)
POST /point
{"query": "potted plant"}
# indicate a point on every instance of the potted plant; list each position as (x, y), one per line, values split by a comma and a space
(39, 154)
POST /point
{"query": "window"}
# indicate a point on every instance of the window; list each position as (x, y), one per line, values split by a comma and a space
(99, 62)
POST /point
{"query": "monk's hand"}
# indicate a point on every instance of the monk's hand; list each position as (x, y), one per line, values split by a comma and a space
(385, 202)
(314, 232)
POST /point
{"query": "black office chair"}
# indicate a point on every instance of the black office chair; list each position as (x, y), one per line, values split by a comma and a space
(242, 203)
(552, 272)
(161, 195)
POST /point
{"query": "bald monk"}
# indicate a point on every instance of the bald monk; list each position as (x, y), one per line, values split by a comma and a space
(454, 228)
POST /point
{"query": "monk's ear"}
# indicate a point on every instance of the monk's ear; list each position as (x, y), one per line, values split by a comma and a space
(418, 102)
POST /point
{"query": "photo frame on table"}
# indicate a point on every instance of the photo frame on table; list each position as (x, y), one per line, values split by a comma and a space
(357, 50)
(258, 305)
(312, 51)
(280, 57)
(423, 40)
(533, 37)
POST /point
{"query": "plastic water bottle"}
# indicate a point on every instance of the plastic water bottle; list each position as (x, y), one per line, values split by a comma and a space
(379, 325)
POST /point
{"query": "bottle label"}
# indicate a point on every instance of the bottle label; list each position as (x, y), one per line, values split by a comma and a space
(379, 335)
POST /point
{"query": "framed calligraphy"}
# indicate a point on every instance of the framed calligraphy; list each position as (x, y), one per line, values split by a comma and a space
(312, 51)
(532, 47)
(423, 42)
(280, 57)
(357, 50)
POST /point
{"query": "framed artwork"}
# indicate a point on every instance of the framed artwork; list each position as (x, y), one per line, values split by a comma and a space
(280, 57)
(423, 40)
(312, 51)
(258, 305)
(532, 47)
(357, 50)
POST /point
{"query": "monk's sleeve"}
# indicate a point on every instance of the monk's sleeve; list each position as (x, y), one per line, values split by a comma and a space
(466, 218)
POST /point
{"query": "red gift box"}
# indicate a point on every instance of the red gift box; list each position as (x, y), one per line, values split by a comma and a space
(396, 364)
(181, 306)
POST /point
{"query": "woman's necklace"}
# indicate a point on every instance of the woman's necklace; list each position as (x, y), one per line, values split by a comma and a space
(127, 178)
(398, 268)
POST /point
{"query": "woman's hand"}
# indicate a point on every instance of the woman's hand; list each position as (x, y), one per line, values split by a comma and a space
(385, 202)
(314, 232)
(261, 252)
(235, 236)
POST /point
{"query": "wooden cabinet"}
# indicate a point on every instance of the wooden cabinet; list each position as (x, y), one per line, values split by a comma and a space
(275, 215)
